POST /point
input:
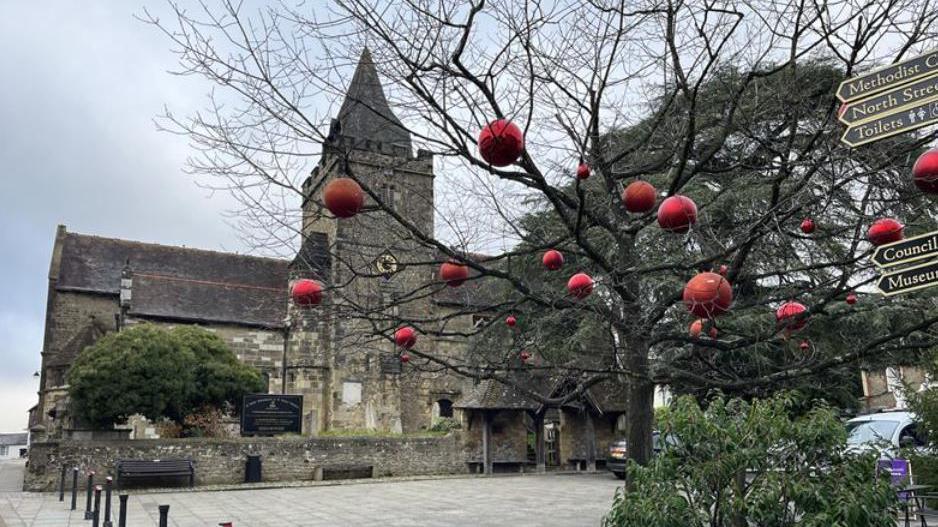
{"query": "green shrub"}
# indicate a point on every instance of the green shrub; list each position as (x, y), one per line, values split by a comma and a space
(156, 372)
(753, 464)
(445, 425)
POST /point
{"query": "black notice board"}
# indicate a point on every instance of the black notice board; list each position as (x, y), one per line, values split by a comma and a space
(270, 414)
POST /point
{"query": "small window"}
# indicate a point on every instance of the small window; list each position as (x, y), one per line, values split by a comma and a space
(4, 451)
(446, 407)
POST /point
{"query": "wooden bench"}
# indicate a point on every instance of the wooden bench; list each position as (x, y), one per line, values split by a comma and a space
(132, 469)
(504, 465)
(343, 471)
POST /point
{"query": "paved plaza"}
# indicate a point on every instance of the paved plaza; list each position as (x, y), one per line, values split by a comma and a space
(544, 500)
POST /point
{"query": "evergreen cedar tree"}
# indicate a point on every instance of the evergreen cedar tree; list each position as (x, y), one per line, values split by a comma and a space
(157, 372)
(752, 145)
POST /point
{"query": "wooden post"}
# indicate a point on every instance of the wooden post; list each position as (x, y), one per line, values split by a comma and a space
(540, 455)
(486, 442)
(590, 443)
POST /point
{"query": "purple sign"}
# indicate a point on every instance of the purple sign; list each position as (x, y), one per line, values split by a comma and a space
(900, 472)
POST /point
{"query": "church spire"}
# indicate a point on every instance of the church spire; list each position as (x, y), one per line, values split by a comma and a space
(365, 115)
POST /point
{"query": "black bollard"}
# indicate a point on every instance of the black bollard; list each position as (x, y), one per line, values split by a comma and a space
(122, 511)
(88, 513)
(62, 485)
(74, 488)
(164, 515)
(96, 514)
(107, 501)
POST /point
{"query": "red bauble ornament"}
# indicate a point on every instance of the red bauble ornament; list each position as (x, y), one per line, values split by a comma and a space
(511, 321)
(405, 337)
(405, 358)
(925, 172)
(501, 143)
(851, 298)
(639, 197)
(677, 213)
(454, 274)
(580, 285)
(724, 270)
(306, 292)
(696, 327)
(708, 295)
(343, 197)
(807, 226)
(553, 260)
(885, 230)
(583, 171)
(714, 333)
(525, 356)
(786, 314)
(804, 345)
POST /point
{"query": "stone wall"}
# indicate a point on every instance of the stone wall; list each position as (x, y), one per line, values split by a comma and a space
(221, 461)
(509, 436)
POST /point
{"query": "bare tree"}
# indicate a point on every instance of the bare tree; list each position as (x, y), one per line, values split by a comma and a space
(728, 102)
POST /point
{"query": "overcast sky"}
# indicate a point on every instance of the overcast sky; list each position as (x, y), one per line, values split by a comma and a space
(82, 82)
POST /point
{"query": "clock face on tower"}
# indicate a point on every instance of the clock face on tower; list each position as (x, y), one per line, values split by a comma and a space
(386, 264)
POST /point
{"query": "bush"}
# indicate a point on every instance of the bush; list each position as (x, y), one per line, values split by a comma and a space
(754, 464)
(445, 425)
(157, 373)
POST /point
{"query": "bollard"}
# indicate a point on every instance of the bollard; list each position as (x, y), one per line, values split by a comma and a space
(96, 514)
(164, 515)
(88, 495)
(62, 485)
(107, 501)
(74, 488)
(122, 511)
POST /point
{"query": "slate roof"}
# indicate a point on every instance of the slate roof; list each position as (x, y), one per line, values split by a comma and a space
(13, 439)
(179, 282)
(490, 394)
(365, 113)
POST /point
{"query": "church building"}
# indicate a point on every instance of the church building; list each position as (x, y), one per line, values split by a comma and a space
(350, 378)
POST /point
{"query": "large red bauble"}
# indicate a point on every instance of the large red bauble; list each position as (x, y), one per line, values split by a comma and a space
(580, 285)
(511, 321)
(677, 213)
(454, 274)
(553, 260)
(343, 197)
(639, 197)
(807, 226)
(787, 312)
(501, 143)
(885, 230)
(582, 171)
(925, 172)
(405, 337)
(696, 327)
(306, 292)
(708, 295)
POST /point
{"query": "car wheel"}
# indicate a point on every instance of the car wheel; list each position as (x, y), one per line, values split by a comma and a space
(620, 475)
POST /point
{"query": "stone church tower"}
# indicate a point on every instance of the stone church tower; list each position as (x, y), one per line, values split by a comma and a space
(350, 377)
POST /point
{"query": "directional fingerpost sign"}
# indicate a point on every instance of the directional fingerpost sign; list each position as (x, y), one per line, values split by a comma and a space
(905, 120)
(890, 101)
(907, 250)
(888, 77)
(909, 279)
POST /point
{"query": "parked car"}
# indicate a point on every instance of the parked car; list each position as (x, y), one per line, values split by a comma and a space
(619, 453)
(888, 430)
